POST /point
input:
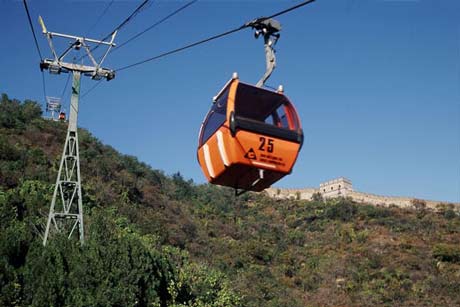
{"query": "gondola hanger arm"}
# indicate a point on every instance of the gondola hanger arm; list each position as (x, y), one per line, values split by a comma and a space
(269, 29)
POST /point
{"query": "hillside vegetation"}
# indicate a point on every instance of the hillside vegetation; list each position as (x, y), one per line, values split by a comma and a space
(161, 240)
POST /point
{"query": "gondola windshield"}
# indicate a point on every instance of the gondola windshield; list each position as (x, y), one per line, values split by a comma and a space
(215, 118)
(261, 110)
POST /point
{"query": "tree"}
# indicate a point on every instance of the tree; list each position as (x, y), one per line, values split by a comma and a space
(317, 196)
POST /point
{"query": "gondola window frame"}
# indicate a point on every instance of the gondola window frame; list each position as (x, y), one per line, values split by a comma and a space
(216, 117)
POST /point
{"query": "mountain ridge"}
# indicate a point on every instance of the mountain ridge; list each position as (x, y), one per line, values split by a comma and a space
(362, 197)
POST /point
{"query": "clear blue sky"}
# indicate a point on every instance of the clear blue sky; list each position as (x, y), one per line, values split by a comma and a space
(376, 83)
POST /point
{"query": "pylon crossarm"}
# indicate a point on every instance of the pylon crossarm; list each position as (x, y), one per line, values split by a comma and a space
(57, 65)
(45, 31)
(108, 49)
(66, 52)
(49, 64)
(90, 40)
(50, 42)
(88, 52)
(48, 37)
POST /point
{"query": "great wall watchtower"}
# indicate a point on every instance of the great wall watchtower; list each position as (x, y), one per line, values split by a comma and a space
(336, 187)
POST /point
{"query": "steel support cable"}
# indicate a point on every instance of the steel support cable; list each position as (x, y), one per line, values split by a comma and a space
(65, 87)
(101, 15)
(44, 86)
(32, 29)
(182, 48)
(36, 45)
(66, 83)
(68, 77)
(128, 19)
(91, 89)
(139, 34)
(155, 24)
(292, 8)
(246, 25)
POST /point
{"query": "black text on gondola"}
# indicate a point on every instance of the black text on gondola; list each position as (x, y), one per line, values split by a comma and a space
(269, 144)
(272, 160)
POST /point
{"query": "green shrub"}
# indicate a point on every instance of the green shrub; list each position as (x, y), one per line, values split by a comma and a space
(343, 210)
(418, 204)
(447, 252)
(373, 212)
(449, 214)
(362, 236)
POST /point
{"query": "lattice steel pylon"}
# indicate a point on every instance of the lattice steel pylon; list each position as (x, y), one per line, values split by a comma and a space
(66, 210)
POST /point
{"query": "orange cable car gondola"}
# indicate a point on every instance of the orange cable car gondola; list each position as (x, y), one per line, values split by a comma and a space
(251, 137)
(62, 116)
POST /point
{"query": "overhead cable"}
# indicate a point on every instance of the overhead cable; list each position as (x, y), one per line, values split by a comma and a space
(182, 48)
(139, 34)
(44, 86)
(288, 10)
(128, 19)
(91, 89)
(155, 24)
(36, 45)
(32, 29)
(66, 83)
(244, 26)
(101, 15)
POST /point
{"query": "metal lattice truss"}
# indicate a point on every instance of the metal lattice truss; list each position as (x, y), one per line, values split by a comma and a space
(66, 212)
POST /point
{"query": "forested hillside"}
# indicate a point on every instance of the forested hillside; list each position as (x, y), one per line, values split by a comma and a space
(160, 240)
